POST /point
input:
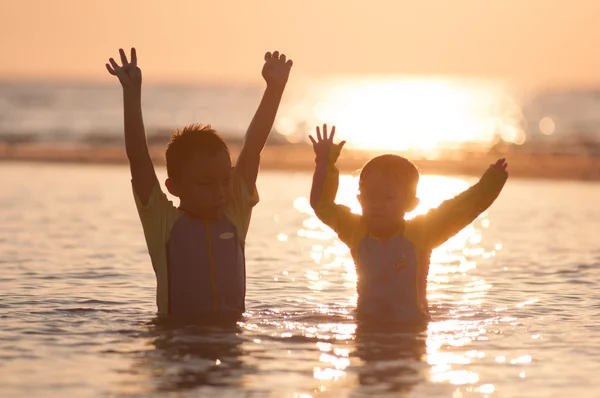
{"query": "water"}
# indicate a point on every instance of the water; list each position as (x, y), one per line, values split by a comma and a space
(402, 113)
(66, 113)
(513, 297)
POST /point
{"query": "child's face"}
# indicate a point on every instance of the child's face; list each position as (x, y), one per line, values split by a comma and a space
(204, 186)
(384, 200)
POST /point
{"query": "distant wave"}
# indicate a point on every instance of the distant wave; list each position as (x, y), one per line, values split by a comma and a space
(456, 114)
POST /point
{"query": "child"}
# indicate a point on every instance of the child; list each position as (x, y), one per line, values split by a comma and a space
(197, 249)
(392, 254)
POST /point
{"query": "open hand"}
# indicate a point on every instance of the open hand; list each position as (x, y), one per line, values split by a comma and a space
(501, 165)
(129, 74)
(276, 69)
(323, 145)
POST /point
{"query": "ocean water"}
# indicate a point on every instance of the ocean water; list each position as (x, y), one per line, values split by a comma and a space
(398, 112)
(513, 296)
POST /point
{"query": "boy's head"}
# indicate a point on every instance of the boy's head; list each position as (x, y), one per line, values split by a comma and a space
(199, 171)
(388, 190)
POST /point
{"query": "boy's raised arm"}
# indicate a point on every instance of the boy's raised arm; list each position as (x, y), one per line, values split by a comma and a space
(326, 177)
(275, 72)
(455, 214)
(325, 186)
(142, 171)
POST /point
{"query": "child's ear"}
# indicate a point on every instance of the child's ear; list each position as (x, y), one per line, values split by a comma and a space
(412, 204)
(172, 187)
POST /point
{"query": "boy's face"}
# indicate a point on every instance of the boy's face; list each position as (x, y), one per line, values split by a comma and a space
(204, 186)
(384, 200)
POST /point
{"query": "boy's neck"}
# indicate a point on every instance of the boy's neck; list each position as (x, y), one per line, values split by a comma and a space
(388, 232)
(203, 217)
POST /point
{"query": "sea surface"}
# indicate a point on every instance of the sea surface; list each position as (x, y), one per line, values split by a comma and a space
(378, 112)
(514, 298)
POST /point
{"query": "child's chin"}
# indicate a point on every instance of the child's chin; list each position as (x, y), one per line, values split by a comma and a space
(381, 222)
(378, 219)
(213, 213)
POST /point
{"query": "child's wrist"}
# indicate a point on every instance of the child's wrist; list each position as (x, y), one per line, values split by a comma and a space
(132, 92)
(321, 159)
(275, 85)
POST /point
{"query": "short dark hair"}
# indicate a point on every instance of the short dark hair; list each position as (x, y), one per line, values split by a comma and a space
(406, 170)
(188, 141)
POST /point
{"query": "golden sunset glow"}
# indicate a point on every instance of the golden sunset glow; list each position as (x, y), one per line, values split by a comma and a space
(533, 42)
(416, 114)
(215, 277)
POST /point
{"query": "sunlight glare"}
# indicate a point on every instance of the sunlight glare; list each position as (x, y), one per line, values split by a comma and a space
(416, 114)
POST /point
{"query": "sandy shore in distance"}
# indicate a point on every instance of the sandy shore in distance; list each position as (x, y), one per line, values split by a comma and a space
(301, 158)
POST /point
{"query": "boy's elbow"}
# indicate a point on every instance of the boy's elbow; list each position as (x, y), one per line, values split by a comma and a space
(316, 208)
(320, 205)
(319, 209)
(314, 199)
(137, 156)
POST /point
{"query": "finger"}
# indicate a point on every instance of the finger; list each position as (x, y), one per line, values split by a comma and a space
(114, 64)
(123, 57)
(282, 58)
(319, 137)
(289, 63)
(325, 132)
(342, 144)
(110, 70)
(133, 56)
(276, 54)
(268, 56)
(505, 166)
(312, 140)
(332, 134)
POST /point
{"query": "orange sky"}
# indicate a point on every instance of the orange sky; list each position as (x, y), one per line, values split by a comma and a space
(530, 41)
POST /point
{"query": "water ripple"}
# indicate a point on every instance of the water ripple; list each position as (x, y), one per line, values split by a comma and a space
(514, 308)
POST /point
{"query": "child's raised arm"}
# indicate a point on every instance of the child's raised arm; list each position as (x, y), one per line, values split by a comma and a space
(326, 177)
(454, 214)
(325, 186)
(142, 171)
(275, 72)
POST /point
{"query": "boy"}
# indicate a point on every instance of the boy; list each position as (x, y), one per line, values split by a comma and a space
(392, 254)
(197, 249)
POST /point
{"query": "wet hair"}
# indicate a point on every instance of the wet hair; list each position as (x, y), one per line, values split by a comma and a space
(395, 166)
(189, 141)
